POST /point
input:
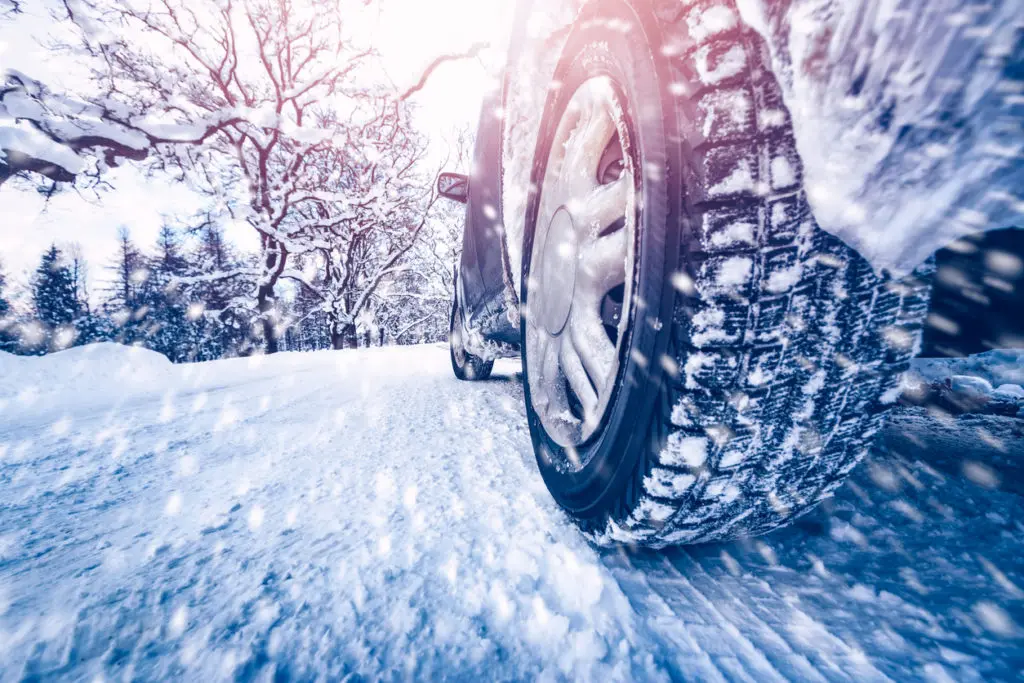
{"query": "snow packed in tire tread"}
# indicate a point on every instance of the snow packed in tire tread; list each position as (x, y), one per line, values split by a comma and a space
(787, 348)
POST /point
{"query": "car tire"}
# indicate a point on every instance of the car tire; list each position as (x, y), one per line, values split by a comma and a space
(760, 354)
(466, 366)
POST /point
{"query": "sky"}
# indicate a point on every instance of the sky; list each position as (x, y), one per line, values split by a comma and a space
(409, 34)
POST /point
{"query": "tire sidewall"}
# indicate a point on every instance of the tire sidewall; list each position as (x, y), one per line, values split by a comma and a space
(600, 47)
(454, 348)
(469, 368)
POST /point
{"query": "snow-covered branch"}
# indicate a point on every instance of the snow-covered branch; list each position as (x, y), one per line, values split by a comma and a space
(472, 52)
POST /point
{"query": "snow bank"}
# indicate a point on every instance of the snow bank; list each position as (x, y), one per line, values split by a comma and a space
(990, 382)
(84, 372)
(996, 368)
(113, 376)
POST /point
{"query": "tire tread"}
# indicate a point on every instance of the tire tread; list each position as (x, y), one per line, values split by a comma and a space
(782, 377)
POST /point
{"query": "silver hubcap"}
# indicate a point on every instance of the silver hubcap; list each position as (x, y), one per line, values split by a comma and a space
(558, 272)
(578, 292)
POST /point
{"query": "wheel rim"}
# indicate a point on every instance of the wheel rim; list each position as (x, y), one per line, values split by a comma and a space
(579, 289)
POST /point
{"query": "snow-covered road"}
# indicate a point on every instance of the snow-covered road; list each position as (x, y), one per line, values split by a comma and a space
(317, 515)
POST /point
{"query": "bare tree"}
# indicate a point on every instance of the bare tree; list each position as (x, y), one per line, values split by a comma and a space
(257, 104)
(415, 305)
(378, 199)
(236, 96)
(79, 272)
(59, 137)
(10, 7)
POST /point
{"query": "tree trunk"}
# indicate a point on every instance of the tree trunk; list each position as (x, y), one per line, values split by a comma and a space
(274, 258)
(265, 305)
(343, 336)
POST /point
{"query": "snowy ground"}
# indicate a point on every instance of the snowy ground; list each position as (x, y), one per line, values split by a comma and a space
(317, 515)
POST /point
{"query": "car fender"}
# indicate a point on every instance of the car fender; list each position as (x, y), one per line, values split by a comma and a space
(908, 117)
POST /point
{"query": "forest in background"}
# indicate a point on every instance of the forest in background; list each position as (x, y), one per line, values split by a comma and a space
(283, 120)
(160, 298)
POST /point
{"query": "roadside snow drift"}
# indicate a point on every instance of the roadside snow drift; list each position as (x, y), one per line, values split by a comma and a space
(990, 382)
(319, 515)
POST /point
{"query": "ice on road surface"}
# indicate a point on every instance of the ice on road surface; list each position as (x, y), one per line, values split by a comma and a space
(319, 515)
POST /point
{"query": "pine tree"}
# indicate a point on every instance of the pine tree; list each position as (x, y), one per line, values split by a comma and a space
(53, 297)
(94, 327)
(122, 305)
(79, 275)
(91, 326)
(169, 256)
(163, 313)
(310, 332)
(129, 272)
(227, 329)
(8, 336)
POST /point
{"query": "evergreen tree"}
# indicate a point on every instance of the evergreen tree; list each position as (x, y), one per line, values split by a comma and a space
(122, 305)
(53, 290)
(8, 336)
(227, 330)
(169, 254)
(91, 326)
(129, 272)
(94, 327)
(53, 297)
(79, 275)
(163, 313)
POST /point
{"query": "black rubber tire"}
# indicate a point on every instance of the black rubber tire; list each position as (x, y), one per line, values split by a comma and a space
(754, 385)
(465, 365)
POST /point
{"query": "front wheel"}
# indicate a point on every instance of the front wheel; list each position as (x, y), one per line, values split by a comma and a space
(701, 361)
(466, 366)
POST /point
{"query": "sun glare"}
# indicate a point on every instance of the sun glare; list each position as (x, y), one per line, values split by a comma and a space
(410, 34)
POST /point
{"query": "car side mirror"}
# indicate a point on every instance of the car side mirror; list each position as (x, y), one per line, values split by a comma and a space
(453, 186)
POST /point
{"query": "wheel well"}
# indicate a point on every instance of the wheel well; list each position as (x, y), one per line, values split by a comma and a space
(978, 298)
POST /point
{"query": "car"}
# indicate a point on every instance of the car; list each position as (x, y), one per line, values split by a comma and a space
(706, 228)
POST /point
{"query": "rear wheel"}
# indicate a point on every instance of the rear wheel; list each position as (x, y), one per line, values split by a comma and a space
(701, 361)
(465, 365)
